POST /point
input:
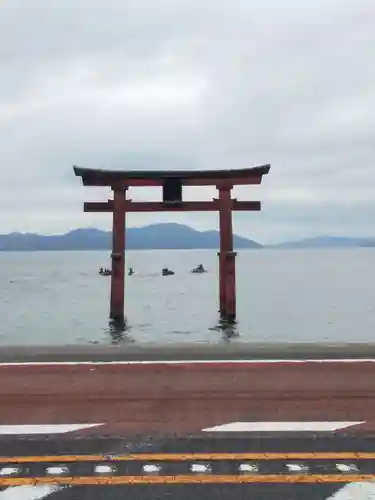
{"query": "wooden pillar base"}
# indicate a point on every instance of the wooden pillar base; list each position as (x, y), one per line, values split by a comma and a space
(117, 324)
(117, 316)
(227, 261)
(117, 289)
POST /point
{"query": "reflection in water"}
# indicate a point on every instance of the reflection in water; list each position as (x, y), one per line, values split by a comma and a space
(227, 328)
(118, 331)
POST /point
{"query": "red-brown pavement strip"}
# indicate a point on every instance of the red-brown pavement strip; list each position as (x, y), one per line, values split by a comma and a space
(282, 380)
(185, 398)
(368, 427)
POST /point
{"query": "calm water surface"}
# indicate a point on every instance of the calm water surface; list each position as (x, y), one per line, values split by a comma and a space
(283, 295)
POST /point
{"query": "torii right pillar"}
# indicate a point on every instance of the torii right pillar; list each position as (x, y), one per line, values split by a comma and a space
(227, 257)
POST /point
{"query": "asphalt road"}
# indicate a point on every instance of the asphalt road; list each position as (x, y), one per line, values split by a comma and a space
(153, 427)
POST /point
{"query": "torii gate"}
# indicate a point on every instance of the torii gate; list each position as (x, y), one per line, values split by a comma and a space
(172, 183)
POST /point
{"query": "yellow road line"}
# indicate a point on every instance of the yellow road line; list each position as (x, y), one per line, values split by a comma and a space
(191, 456)
(188, 479)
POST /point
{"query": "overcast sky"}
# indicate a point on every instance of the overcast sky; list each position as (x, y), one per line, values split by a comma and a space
(190, 84)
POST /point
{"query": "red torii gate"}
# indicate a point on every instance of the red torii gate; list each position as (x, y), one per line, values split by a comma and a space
(172, 183)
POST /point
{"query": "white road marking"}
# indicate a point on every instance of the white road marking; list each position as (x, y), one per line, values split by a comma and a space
(28, 492)
(104, 469)
(248, 468)
(297, 468)
(57, 471)
(43, 429)
(347, 468)
(280, 426)
(151, 468)
(200, 468)
(189, 362)
(9, 471)
(355, 491)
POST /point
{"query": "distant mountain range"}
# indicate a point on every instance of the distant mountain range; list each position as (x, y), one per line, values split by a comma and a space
(155, 236)
(161, 236)
(327, 242)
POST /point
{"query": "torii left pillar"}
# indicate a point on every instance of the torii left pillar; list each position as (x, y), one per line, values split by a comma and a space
(118, 255)
(227, 257)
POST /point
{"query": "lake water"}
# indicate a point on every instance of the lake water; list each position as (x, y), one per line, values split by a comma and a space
(282, 295)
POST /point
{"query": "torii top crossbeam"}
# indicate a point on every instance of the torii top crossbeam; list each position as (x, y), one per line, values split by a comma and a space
(103, 177)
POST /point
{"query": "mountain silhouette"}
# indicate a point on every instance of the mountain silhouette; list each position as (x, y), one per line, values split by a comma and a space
(154, 236)
(327, 242)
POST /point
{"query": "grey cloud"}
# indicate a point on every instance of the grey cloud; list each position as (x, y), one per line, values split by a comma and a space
(188, 84)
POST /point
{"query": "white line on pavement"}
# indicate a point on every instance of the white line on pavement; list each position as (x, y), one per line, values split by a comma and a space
(280, 426)
(189, 362)
(43, 429)
(355, 491)
(28, 492)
